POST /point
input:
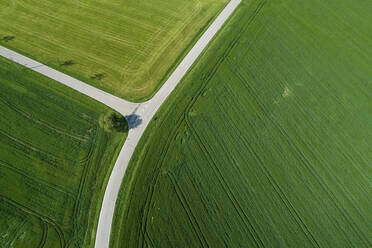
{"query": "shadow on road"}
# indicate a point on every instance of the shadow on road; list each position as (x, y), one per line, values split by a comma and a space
(133, 121)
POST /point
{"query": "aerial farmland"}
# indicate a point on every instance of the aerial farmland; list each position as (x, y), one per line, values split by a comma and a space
(60, 149)
(54, 161)
(201, 123)
(126, 48)
(266, 142)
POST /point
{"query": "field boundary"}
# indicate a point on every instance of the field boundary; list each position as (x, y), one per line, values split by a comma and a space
(138, 115)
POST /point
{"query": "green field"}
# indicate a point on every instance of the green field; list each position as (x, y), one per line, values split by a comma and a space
(124, 47)
(267, 142)
(55, 161)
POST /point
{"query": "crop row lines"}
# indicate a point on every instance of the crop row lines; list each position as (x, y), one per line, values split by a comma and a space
(182, 117)
(36, 180)
(76, 208)
(44, 236)
(309, 167)
(40, 122)
(186, 206)
(39, 216)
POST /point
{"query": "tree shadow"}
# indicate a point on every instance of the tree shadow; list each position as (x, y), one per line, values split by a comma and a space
(67, 63)
(98, 76)
(7, 38)
(133, 121)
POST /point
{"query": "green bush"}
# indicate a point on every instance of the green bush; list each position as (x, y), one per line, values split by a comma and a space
(113, 121)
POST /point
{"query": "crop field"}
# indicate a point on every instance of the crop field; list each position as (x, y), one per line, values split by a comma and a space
(267, 141)
(124, 47)
(54, 162)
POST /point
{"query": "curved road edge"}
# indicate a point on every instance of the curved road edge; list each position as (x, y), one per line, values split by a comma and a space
(142, 112)
(146, 111)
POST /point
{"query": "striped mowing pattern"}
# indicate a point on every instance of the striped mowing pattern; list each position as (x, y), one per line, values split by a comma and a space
(133, 44)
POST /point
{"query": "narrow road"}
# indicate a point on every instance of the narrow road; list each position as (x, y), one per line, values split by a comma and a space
(138, 114)
(114, 102)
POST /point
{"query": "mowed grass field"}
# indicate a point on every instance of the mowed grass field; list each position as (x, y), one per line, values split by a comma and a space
(267, 142)
(124, 47)
(55, 161)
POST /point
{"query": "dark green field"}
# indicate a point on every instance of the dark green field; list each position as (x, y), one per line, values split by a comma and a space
(268, 140)
(54, 162)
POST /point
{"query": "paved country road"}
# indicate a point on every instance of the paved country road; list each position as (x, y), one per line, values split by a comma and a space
(138, 114)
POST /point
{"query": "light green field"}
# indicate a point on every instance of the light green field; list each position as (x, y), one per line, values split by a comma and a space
(124, 47)
(267, 142)
(55, 161)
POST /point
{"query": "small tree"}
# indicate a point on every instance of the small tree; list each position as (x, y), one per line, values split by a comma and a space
(113, 121)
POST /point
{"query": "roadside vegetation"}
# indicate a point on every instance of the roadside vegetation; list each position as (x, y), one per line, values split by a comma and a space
(113, 121)
(267, 142)
(124, 47)
(55, 161)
